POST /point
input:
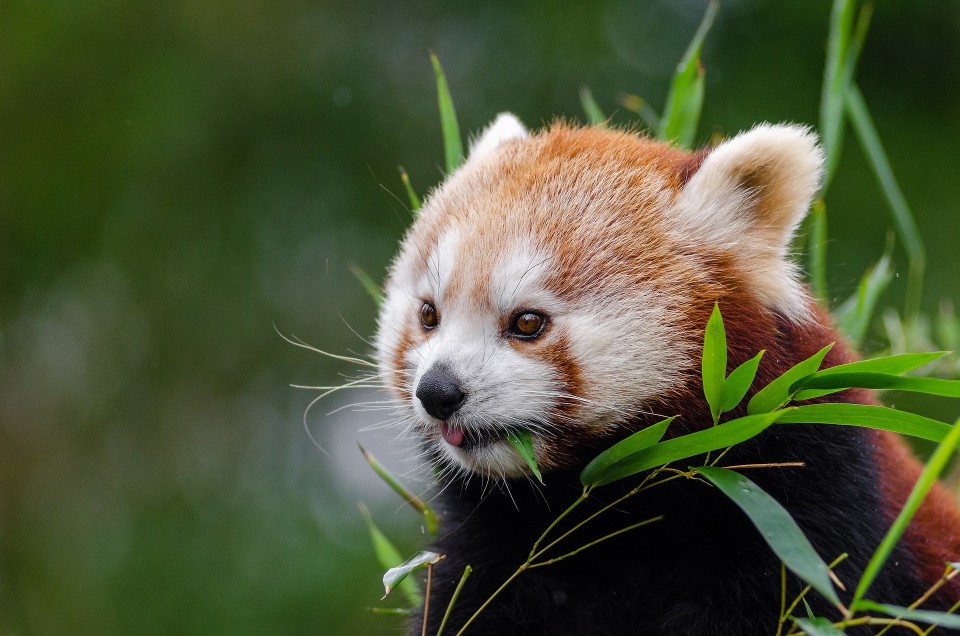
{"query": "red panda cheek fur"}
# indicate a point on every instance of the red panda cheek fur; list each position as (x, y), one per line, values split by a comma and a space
(616, 212)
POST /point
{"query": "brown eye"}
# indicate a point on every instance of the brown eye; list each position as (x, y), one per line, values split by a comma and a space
(428, 316)
(528, 324)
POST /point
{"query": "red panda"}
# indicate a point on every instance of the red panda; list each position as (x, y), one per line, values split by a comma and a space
(559, 283)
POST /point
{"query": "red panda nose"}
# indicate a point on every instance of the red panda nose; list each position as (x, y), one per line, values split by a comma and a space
(440, 393)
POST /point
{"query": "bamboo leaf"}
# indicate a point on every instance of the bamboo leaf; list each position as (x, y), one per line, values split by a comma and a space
(396, 575)
(878, 417)
(738, 383)
(685, 446)
(840, 381)
(681, 114)
(591, 108)
(368, 284)
(777, 527)
(388, 556)
(903, 219)
(832, 90)
(896, 364)
(713, 365)
(411, 195)
(417, 503)
(855, 314)
(636, 104)
(928, 477)
(843, 52)
(523, 444)
(923, 616)
(640, 440)
(818, 626)
(779, 392)
(452, 142)
(817, 250)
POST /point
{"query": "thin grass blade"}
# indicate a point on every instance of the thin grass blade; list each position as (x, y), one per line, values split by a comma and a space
(928, 477)
(923, 616)
(779, 392)
(856, 313)
(638, 105)
(523, 444)
(817, 250)
(878, 417)
(777, 527)
(591, 108)
(681, 114)
(635, 443)
(832, 90)
(903, 219)
(411, 194)
(685, 447)
(388, 556)
(415, 502)
(452, 142)
(369, 285)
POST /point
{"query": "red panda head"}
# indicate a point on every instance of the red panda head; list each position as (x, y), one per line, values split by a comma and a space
(558, 282)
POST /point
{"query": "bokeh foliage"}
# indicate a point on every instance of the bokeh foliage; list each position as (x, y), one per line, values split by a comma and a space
(176, 178)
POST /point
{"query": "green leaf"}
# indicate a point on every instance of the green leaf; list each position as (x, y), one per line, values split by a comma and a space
(417, 503)
(843, 51)
(640, 440)
(878, 417)
(856, 313)
(897, 364)
(591, 108)
(388, 556)
(713, 365)
(395, 576)
(367, 283)
(923, 616)
(818, 626)
(681, 114)
(817, 249)
(840, 381)
(452, 143)
(738, 383)
(928, 477)
(685, 446)
(411, 195)
(523, 443)
(636, 104)
(779, 392)
(903, 219)
(776, 526)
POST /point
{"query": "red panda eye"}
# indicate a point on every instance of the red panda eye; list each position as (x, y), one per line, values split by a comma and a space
(528, 324)
(428, 316)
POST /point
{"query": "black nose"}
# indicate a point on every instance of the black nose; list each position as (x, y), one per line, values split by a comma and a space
(440, 393)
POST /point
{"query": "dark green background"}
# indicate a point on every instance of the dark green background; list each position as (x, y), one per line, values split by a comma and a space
(177, 178)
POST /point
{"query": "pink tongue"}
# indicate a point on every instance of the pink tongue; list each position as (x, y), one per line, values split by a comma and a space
(452, 436)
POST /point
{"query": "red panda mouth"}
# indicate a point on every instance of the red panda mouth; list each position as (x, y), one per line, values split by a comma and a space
(468, 439)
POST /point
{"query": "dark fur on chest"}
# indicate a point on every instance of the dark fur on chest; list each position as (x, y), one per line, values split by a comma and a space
(703, 569)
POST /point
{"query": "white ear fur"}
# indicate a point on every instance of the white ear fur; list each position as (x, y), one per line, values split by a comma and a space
(504, 128)
(748, 197)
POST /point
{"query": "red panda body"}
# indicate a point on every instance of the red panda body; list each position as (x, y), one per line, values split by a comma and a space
(559, 283)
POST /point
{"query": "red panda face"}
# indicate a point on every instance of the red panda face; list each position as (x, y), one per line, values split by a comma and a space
(554, 283)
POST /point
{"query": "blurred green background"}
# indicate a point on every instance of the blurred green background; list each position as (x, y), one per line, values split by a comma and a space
(179, 178)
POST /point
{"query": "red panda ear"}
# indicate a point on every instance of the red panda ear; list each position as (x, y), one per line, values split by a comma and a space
(748, 197)
(504, 128)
